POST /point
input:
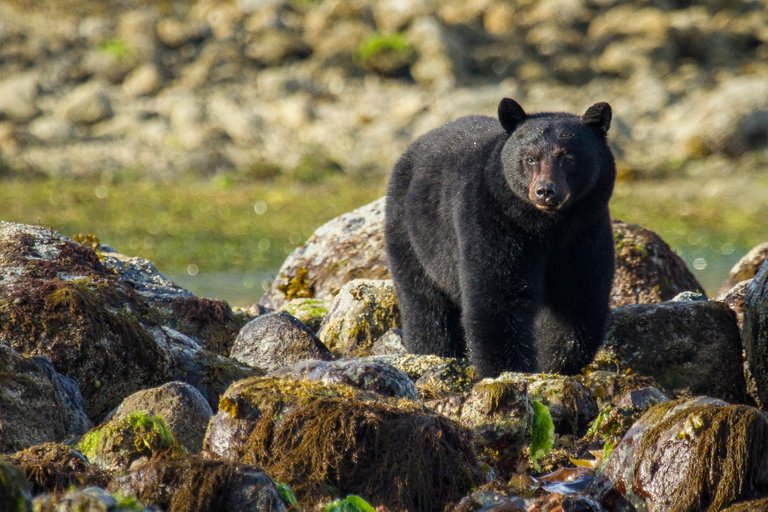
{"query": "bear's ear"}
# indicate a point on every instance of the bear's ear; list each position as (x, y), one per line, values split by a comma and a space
(598, 117)
(511, 114)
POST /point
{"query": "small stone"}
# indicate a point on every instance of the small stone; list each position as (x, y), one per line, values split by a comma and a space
(389, 343)
(87, 104)
(18, 97)
(145, 80)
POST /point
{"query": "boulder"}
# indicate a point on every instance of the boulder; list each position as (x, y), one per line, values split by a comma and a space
(348, 247)
(37, 404)
(397, 454)
(185, 411)
(686, 346)
(275, 340)
(366, 375)
(647, 270)
(18, 97)
(58, 300)
(745, 268)
(309, 311)
(755, 331)
(86, 104)
(689, 455)
(363, 311)
(14, 492)
(196, 484)
(92, 498)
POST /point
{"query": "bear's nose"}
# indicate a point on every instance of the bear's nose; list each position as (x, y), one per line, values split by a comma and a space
(545, 190)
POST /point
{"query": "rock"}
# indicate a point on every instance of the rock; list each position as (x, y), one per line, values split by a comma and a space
(735, 300)
(611, 387)
(36, 403)
(18, 97)
(362, 312)
(500, 415)
(308, 311)
(389, 343)
(642, 398)
(699, 454)
(55, 468)
(570, 404)
(58, 300)
(207, 371)
(745, 268)
(491, 496)
(175, 33)
(51, 130)
(687, 347)
(282, 425)
(132, 439)
(755, 331)
(275, 340)
(193, 483)
(348, 247)
(240, 124)
(145, 80)
(445, 378)
(647, 270)
(87, 104)
(740, 128)
(394, 15)
(439, 62)
(185, 411)
(93, 499)
(366, 375)
(14, 493)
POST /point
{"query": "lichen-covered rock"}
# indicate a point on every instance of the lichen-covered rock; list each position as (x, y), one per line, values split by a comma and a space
(308, 310)
(746, 268)
(449, 376)
(54, 467)
(132, 439)
(686, 346)
(37, 404)
(58, 300)
(500, 415)
(14, 492)
(363, 311)
(195, 484)
(389, 343)
(367, 375)
(275, 340)
(397, 454)
(570, 403)
(647, 270)
(348, 247)
(92, 499)
(610, 386)
(735, 300)
(755, 331)
(685, 456)
(183, 408)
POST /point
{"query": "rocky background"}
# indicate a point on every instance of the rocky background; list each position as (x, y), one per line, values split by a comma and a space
(174, 87)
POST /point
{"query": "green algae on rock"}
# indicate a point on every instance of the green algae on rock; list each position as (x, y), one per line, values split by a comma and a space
(396, 453)
(117, 444)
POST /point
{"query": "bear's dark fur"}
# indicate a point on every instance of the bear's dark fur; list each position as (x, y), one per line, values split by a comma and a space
(499, 239)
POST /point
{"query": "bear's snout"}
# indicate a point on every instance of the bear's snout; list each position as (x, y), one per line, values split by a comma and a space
(546, 194)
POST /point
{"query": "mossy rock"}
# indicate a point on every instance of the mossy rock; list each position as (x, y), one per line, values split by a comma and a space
(56, 467)
(91, 499)
(14, 492)
(57, 299)
(690, 455)
(121, 442)
(309, 311)
(195, 484)
(398, 454)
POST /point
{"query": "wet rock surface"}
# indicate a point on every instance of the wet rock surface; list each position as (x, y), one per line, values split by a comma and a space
(755, 331)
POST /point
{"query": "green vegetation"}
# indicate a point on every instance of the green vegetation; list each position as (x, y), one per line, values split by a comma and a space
(542, 431)
(351, 503)
(379, 43)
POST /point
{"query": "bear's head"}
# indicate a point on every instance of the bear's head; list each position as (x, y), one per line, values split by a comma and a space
(553, 160)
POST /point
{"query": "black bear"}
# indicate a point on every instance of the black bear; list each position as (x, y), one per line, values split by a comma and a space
(499, 239)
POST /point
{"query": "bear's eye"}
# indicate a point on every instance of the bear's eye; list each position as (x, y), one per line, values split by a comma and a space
(569, 160)
(530, 160)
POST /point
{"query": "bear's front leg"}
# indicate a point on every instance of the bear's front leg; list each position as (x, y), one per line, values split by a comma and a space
(498, 314)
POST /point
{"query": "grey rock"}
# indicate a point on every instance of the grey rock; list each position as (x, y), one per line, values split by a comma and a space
(310, 312)
(687, 347)
(366, 375)
(642, 398)
(745, 268)
(272, 341)
(93, 499)
(87, 104)
(755, 331)
(51, 130)
(18, 97)
(38, 404)
(389, 343)
(735, 299)
(184, 409)
(145, 80)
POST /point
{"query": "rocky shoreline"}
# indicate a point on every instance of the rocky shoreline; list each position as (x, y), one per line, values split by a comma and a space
(123, 391)
(258, 87)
